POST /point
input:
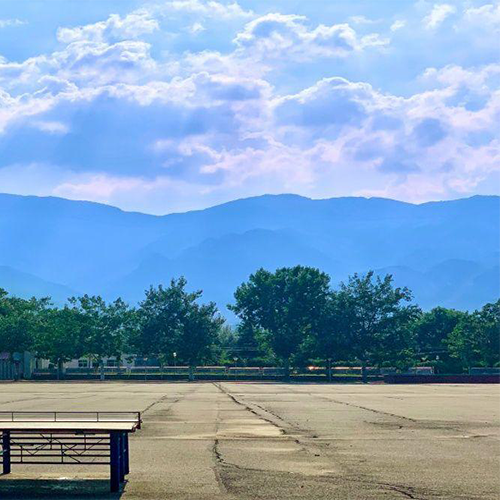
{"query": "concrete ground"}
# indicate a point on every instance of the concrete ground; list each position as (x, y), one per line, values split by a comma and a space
(206, 441)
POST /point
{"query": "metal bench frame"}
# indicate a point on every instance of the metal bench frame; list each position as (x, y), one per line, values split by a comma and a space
(69, 438)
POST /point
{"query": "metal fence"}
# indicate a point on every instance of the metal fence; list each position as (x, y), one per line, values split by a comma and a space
(7, 370)
(207, 372)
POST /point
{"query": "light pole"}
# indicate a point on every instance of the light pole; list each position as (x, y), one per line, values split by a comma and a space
(174, 354)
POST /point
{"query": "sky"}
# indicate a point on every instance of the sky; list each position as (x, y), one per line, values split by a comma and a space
(173, 105)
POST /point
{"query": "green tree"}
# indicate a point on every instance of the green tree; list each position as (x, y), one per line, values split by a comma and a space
(431, 332)
(105, 327)
(463, 341)
(60, 337)
(490, 338)
(226, 344)
(287, 305)
(19, 320)
(200, 326)
(377, 320)
(433, 328)
(252, 345)
(476, 338)
(159, 321)
(171, 320)
(329, 342)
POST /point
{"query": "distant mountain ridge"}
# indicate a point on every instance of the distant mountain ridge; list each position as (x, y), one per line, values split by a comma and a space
(26, 285)
(447, 252)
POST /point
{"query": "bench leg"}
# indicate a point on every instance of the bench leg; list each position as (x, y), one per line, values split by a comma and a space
(6, 451)
(122, 457)
(115, 462)
(126, 453)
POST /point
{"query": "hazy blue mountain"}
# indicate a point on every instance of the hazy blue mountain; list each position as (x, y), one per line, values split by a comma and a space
(453, 283)
(80, 244)
(26, 285)
(219, 265)
(447, 252)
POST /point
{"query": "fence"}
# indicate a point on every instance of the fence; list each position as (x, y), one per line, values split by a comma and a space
(485, 371)
(7, 370)
(255, 373)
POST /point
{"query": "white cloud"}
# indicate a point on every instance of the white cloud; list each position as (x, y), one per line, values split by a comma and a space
(277, 35)
(453, 75)
(7, 23)
(208, 9)
(363, 20)
(160, 195)
(204, 127)
(196, 28)
(377, 143)
(81, 63)
(486, 15)
(398, 24)
(51, 127)
(438, 14)
(114, 28)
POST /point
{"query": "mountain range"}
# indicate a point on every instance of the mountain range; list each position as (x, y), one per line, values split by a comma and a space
(447, 252)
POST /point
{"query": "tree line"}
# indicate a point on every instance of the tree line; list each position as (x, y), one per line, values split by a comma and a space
(290, 317)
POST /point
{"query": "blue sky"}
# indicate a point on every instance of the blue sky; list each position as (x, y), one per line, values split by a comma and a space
(162, 106)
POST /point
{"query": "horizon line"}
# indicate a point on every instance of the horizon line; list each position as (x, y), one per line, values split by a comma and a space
(235, 200)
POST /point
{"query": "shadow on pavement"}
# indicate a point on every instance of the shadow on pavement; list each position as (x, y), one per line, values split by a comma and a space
(60, 489)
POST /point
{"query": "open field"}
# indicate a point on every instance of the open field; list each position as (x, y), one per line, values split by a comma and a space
(277, 441)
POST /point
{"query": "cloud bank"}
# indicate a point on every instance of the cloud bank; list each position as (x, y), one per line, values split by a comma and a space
(108, 116)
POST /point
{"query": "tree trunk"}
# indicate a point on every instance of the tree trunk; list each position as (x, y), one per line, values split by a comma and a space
(364, 373)
(191, 373)
(101, 365)
(59, 369)
(329, 361)
(286, 367)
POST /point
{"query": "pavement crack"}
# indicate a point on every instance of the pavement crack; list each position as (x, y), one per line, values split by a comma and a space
(249, 408)
(285, 428)
(372, 410)
(165, 398)
(158, 401)
(217, 455)
(406, 492)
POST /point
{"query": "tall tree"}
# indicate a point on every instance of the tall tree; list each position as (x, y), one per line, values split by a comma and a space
(433, 328)
(19, 320)
(476, 338)
(287, 305)
(431, 332)
(329, 341)
(252, 346)
(172, 320)
(490, 338)
(159, 320)
(105, 326)
(200, 326)
(377, 319)
(463, 341)
(60, 337)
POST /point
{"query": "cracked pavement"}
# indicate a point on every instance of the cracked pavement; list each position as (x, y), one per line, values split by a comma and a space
(232, 440)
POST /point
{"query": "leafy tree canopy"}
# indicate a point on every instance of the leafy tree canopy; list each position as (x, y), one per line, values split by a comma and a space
(287, 305)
